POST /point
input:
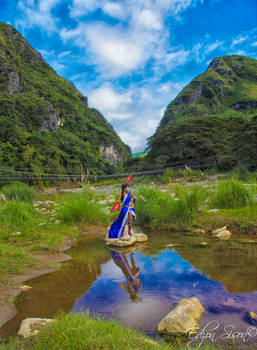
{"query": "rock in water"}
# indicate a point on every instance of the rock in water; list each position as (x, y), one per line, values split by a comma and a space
(202, 244)
(215, 232)
(126, 240)
(25, 288)
(183, 318)
(225, 235)
(199, 231)
(222, 233)
(252, 316)
(31, 326)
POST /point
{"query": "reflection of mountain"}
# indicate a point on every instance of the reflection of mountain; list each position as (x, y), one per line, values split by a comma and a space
(231, 263)
(166, 279)
(60, 289)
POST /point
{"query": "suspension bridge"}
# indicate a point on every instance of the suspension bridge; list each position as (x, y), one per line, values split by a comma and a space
(11, 174)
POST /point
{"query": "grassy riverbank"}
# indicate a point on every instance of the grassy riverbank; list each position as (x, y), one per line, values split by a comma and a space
(179, 207)
(29, 225)
(80, 332)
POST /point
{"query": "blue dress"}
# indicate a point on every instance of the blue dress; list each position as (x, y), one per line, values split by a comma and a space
(117, 227)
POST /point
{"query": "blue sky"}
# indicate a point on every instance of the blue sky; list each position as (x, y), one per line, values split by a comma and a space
(131, 58)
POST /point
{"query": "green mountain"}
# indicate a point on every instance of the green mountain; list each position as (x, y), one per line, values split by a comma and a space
(211, 117)
(45, 122)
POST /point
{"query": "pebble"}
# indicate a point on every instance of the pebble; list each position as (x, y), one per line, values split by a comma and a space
(203, 244)
(25, 288)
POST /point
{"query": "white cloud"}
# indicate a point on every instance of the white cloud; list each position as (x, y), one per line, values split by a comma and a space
(254, 43)
(58, 67)
(108, 100)
(64, 54)
(114, 49)
(213, 46)
(37, 14)
(239, 40)
(146, 18)
(114, 9)
(118, 50)
(79, 8)
(136, 112)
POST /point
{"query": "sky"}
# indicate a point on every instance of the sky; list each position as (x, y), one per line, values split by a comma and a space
(132, 57)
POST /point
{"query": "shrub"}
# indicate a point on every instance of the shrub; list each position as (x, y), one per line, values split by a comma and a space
(82, 207)
(157, 208)
(167, 177)
(232, 194)
(240, 172)
(19, 191)
(16, 213)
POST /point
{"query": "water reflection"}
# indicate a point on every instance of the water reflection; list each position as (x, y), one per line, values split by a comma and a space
(131, 273)
(141, 284)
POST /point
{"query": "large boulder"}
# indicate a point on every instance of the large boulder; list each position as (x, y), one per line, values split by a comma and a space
(32, 326)
(183, 318)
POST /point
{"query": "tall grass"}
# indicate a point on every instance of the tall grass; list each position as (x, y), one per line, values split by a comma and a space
(24, 229)
(82, 207)
(13, 258)
(19, 191)
(79, 332)
(240, 172)
(156, 208)
(16, 213)
(232, 194)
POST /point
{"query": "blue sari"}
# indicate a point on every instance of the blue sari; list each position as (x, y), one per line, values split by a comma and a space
(118, 226)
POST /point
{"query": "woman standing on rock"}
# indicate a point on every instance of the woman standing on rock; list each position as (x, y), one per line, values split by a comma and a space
(127, 212)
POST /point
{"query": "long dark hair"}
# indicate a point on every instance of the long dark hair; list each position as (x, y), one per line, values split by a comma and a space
(123, 187)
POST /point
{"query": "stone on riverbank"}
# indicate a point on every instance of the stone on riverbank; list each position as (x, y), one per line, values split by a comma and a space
(183, 318)
(32, 326)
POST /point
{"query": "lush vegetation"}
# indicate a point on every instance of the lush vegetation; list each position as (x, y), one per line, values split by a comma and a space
(184, 207)
(45, 124)
(232, 194)
(214, 116)
(19, 191)
(160, 209)
(26, 227)
(83, 207)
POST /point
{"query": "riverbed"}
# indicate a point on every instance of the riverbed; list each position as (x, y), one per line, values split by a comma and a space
(141, 284)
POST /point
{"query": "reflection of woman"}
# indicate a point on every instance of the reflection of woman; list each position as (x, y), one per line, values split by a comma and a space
(127, 213)
(134, 284)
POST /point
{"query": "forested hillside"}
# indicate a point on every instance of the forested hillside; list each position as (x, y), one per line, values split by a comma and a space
(45, 122)
(214, 116)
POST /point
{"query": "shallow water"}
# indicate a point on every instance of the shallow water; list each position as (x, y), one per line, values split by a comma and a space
(142, 284)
